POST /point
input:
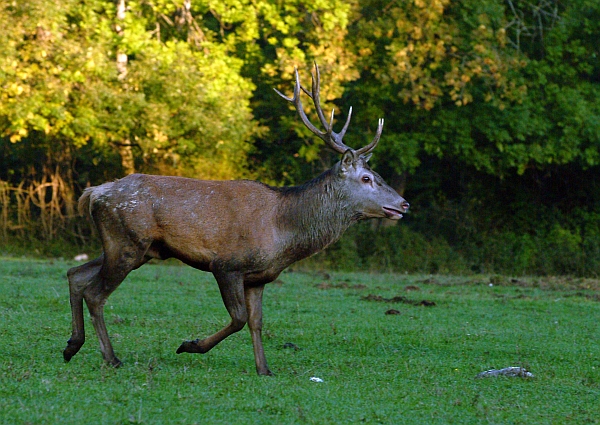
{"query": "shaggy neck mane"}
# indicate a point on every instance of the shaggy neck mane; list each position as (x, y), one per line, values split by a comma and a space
(313, 215)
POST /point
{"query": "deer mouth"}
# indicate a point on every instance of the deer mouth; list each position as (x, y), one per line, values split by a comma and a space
(392, 213)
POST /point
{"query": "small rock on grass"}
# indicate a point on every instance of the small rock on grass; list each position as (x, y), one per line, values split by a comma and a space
(511, 372)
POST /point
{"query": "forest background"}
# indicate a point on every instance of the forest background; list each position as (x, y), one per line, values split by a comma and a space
(491, 107)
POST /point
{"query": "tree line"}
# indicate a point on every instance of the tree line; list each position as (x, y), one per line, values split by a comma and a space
(492, 117)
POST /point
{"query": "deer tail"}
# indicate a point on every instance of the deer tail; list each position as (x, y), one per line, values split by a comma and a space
(84, 202)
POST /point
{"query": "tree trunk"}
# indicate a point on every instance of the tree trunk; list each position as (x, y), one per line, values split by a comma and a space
(127, 160)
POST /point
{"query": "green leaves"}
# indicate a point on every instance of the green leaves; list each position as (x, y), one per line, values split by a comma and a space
(171, 100)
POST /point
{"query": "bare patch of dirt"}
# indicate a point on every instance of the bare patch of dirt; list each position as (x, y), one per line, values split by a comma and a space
(552, 283)
(592, 297)
(291, 346)
(398, 299)
(340, 285)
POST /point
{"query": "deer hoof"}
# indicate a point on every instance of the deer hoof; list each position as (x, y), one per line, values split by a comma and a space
(116, 363)
(67, 355)
(71, 349)
(265, 373)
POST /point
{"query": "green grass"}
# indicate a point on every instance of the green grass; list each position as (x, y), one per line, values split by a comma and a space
(416, 367)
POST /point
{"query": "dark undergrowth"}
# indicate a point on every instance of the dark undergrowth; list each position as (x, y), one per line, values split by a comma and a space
(568, 250)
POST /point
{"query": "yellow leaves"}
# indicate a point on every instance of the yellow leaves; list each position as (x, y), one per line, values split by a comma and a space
(440, 48)
(290, 42)
(434, 6)
(435, 56)
(270, 70)
(16, 137)
(158, 136)
(439, 5)
(78, 76)
(479, 48)
(501, 37)
(417, 33)
(15, 89)
(365, 51)
(415, 74)
(401, 54)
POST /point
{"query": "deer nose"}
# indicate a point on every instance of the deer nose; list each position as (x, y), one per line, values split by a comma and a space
(404, 205)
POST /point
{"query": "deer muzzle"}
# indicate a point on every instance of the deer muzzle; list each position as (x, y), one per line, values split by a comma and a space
(394, 213)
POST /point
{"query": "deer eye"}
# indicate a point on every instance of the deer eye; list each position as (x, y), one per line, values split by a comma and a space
(366, 179)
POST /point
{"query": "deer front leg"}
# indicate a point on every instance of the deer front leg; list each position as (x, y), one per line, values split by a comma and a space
(254, 308)
(231, 285)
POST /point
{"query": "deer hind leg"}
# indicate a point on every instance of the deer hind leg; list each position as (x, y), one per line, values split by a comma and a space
(231, 285)
(114, 270)
(79, 279)
(94, 282)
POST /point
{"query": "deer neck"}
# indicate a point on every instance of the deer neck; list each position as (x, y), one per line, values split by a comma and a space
(313, 216)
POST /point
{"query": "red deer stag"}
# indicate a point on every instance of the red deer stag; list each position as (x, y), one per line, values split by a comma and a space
(243, 232)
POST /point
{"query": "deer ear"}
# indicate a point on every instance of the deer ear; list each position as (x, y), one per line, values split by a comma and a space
(367, 157)
(348, 160)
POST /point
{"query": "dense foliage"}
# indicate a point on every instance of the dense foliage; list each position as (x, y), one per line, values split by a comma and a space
(491, 106)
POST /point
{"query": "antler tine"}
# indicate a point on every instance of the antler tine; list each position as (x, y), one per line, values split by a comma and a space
(335, 139)
(290, 99)
(366, 149)
(343, 132)
(298, 104)
(309, 94)
(316, 97)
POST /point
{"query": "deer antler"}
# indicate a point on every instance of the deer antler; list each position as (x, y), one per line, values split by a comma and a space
(331, 139)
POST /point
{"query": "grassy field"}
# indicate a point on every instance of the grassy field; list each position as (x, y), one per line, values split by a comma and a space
(414, 367)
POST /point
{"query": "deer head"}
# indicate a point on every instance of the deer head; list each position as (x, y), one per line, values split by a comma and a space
(365, 190)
